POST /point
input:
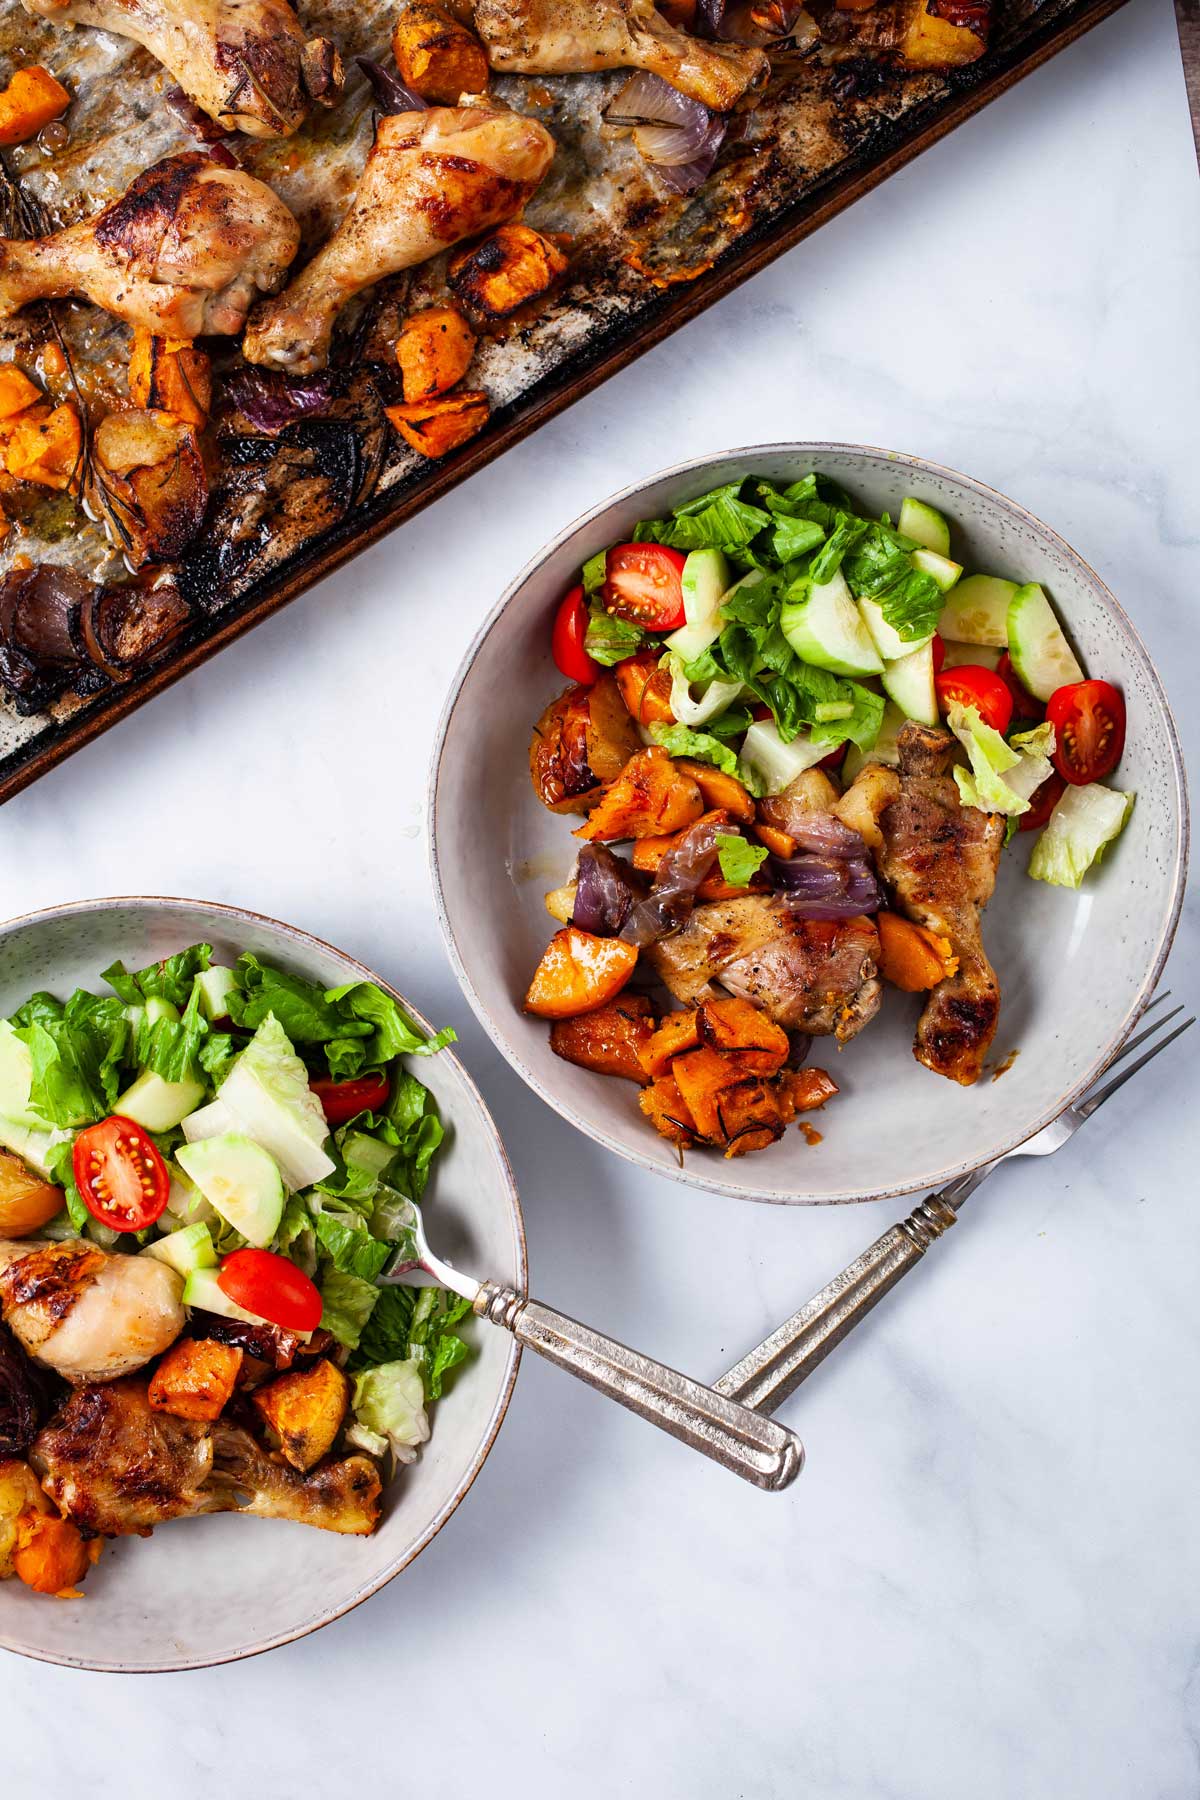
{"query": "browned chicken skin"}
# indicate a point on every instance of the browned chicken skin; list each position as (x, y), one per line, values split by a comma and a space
(806, 974)
(431, 179)
(573, 37)
(940, 859)
(85, 1313)
(183, 252)
(244, 62)
(113, 1465)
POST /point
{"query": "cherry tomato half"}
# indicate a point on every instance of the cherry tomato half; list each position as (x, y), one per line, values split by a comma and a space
(973, 685)
(643, 584)
(567, 640)
(1024, 704)
(939, 652)
(342, 1100)
(836, 758)
(1042, 803)
(1089, 728)
(272, 1287)
(120, 1175)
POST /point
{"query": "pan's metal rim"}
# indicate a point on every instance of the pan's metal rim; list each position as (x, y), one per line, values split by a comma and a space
(51, 747)
(933, 1178)
(294, 933)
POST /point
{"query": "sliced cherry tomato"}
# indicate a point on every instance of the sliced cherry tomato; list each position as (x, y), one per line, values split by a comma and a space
(973, 685)
(836, 758)
(760, 711)
(1024, 704)
(120, 1175)
(1042, 803)
(342, 1100)
(272, 1287)
(939, 652)
(567, 640)
(1089, 728)
(643, 584)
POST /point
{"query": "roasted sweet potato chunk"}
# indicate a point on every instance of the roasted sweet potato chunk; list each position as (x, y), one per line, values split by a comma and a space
(928, 42)
(148, 483)
(195, 1379)
(437, 56)
(305, 1409)
(750, 1115)
(435, 427)
(648, 852)
(50, 1555)
(677, 1032)
(719, 791)
(807, 1088)
(665, 1107)
(911, 957)
(170, 375)
(434, 350)
(608, 1040)
(648, 798)
(779, 843)
(703, 1075)
(45, 444)
(506, 271)
(645, 688)
(735, 1024)
(30, 101)
(20, 1494)
(579, 973)
(17, 392)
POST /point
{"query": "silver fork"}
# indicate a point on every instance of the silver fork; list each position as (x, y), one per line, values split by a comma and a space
(775, 1368)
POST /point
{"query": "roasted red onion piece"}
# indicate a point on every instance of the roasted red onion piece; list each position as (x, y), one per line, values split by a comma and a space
(390, 93)
(59, 630)
(668, 905)
(820, 834)
(272, 401)
(23, 1404)
(607, 889)
(676, 134)
(191, 116)
(818, 887)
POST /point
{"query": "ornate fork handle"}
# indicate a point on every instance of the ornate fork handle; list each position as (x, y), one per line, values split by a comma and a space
(764, 1378)
(720, 1427)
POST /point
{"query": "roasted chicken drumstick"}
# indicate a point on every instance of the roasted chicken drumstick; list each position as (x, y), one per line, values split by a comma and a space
(575, 37)
(940, 859)
(183, 252)
(431, 179)
(245, 63)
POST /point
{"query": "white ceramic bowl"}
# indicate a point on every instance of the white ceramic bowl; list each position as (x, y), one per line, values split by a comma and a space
(214, 1589)
(1075, 968)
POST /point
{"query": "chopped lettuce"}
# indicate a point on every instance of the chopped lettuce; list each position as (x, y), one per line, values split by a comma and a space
(701, 746)
(738, 858)
(718, 520)
(610, 640)
(350, 1247)
(880, 568)
(593, 573)
(76, 1055)
(347, 1302)
(393, 1033)
(991, 759)
(1082, 825)
(389, 1401)
(418, 1324)
(269, 1065)
(172, 979)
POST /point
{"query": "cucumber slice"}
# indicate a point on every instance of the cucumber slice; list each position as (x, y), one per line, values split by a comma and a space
(1040, 653)
(939, 568)
(704, 580)
(827, 630)
(909, 682)
(185, 1250)
(983, 656)
(778, 764)
(158, 1104)
(925, 526)
(202, 1289)
(885, 750)
(215, 984)
(977, 611)
(239, 1179)
(886, 639)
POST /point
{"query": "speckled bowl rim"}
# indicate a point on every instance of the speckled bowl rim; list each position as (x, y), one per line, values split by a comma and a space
(685, 1175)
(233, 915)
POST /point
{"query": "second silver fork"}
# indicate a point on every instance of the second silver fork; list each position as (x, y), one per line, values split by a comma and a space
(765, 1377)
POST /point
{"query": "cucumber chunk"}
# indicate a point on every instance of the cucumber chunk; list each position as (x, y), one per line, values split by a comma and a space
(215, 985)
(202, 1289)
(983, 656)
(886, 639)
(239, 1179)
(939, 568)
(826, 629)
(704, 580)
(977, 611)
(925, 526)
(1040, 653)
(158, 1104)
(185, 1250)
(909, 682)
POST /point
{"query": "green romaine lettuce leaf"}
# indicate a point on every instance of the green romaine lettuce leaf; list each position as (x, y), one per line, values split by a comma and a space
(677, 740)
(991, 760)
(170, 980)
(880, 568)
(739, 859)
(718, 520)
(394, 1033)
(389, 1400)
(349, 1247)
(610, 640)
(593, 572)
(346, 1305)
(1082, 825)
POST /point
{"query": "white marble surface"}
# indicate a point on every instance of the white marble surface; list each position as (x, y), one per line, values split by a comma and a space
(985, 1582)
